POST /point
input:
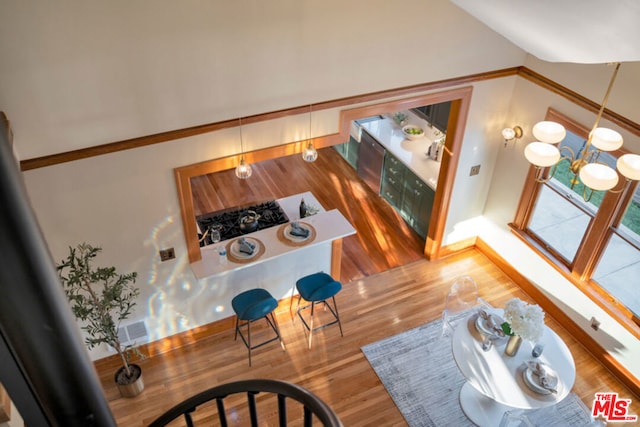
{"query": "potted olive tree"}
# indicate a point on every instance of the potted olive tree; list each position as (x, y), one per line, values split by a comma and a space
(101, 298)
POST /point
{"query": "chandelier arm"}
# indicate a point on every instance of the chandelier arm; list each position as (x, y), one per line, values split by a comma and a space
(594, 157)
(539, 171)
(572, 154)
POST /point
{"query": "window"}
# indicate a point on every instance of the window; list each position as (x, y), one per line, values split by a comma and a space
(619, 268)
(592, 237)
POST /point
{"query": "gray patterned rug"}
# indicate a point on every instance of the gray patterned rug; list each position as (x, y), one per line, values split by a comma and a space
(418, 370)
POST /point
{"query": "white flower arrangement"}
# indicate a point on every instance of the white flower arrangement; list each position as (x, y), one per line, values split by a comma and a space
(523, 319)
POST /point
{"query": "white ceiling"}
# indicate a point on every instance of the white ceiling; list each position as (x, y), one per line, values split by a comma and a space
(579, 31)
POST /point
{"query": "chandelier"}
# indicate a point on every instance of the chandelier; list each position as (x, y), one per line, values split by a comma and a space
(585, 165)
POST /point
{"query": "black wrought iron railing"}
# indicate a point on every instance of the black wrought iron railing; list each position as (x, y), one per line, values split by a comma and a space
(306, 406)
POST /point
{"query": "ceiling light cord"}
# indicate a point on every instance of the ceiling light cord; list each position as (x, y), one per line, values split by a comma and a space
(309, 154)
(243, 170)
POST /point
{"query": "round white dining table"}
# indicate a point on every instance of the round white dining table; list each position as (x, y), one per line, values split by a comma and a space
(495, 382)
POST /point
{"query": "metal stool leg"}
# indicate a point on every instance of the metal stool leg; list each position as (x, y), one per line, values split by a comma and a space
(313, 304)
(235, 336)
(249, 339)
(276, 327)
(337, 315)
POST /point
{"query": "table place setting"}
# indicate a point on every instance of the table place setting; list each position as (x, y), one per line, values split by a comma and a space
(510, 359)
(296, 233)
(244, 249)
(540, 377)
(429, 397)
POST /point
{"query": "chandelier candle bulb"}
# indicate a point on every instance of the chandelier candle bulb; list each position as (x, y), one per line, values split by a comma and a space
(598, 177)
(542, 154)
(549, 132)
(606, 139)
(629, 166)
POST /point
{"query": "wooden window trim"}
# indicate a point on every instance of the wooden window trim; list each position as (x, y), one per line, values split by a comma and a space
(594, 241)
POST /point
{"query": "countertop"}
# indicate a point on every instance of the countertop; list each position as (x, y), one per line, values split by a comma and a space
(412, 153)
(329, 225)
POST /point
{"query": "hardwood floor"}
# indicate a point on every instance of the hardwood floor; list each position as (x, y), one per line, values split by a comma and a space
(383, 239)
(335, 369)
(388, 288)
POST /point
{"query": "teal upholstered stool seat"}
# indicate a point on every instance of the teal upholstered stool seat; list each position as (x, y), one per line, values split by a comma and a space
(252, 305)
(317, 288)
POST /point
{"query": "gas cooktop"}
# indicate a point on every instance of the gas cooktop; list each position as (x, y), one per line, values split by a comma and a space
(227, 222)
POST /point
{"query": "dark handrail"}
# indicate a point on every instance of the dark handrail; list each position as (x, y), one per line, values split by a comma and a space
(313, 406)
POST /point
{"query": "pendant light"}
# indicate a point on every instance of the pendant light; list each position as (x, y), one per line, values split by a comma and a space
(243, 170)
(310, 154)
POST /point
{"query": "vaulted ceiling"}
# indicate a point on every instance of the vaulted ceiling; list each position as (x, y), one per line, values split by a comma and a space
(579, 31)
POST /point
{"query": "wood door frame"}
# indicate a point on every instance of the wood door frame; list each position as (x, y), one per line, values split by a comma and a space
(461, 100)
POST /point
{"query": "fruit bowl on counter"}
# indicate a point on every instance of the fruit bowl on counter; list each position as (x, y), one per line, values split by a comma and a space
(412, 132)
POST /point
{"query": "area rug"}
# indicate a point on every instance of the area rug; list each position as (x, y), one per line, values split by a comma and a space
(418, 370)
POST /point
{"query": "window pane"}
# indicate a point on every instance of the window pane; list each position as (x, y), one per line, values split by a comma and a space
(558, 222)
(619, 268)
(631, 219)
(618, 273)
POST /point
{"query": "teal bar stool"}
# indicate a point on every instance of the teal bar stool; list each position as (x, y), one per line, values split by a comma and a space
(252, 305)
(317, 288)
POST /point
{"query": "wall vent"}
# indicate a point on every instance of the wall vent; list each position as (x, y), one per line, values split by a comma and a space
(133, 333)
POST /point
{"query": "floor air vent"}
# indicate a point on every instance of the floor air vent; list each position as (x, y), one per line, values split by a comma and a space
(133, 333)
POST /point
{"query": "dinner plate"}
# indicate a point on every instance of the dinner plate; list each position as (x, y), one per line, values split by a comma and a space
(532, 380)
(484, 327)
(293, 238)
(235, 249)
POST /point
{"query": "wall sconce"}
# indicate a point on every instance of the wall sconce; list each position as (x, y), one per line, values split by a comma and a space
(509, 134)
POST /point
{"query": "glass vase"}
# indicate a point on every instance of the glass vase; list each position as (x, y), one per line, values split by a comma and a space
(513, 345)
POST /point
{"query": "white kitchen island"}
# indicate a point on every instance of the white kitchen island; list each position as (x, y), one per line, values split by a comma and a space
(281, 263)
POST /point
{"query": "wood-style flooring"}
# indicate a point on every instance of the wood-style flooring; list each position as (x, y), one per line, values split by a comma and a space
(388, 288)
(335, 368)
(383, 239)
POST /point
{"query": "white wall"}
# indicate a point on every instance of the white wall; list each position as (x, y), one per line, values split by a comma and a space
(127, 203)
(77, 74)
(528, 106)
(482, 142)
